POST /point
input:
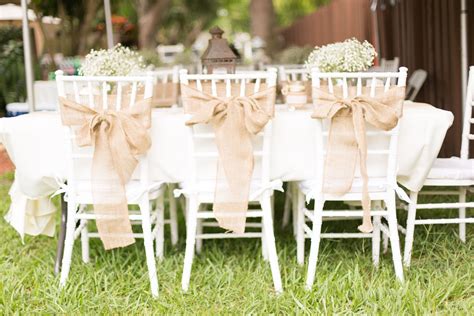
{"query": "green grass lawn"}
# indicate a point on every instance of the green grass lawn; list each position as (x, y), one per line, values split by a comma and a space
(230, 277)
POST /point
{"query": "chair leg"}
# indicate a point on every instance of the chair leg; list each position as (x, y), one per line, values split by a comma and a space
(287, 206)
(264, 242)
(462, 214)
(294, 207)
(61, 238)
(410, 228)
(85, 242)
(173, 217)
(148, 243)
(315, 240)
(191, 223)
(160, 227)
(270, 243)
(300, 222)
(69, 242)
(199, 230)
(376, 240)
(393, 230)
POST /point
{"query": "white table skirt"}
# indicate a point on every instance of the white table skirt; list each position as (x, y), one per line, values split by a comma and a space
(35, 145)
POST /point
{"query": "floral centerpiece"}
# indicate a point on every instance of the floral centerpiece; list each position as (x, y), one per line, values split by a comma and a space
(117, 61)
(348, 56)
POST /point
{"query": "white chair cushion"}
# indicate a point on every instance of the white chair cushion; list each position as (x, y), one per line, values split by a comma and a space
(374, 185)
(452, 168)
(205, 189)
(133, 190)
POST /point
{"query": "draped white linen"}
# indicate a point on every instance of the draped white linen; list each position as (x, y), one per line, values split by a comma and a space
(36, 147)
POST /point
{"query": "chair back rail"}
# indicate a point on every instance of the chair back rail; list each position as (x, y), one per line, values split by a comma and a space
(293, 73)
(468, 119)
(202, 138)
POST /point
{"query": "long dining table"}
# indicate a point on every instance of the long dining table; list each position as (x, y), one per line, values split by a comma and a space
(35, 144)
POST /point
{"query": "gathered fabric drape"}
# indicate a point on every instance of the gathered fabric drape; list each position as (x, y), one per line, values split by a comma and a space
(347, 141)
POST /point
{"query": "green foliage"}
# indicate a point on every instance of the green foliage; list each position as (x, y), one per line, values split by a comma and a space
(151, 57)
(12, 70)
(289, 10)
(294, 55)
(185, 58)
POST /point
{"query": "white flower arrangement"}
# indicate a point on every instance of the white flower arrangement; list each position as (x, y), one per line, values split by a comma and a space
(348, 56)
(117, 61)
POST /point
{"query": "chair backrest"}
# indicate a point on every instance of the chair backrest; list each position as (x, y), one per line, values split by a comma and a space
(94, 91)
(381, 145)
(165, 74)
(166, 86)
(468, 119)
(389, 65)
(415, 82)
(201, 136)
(168, 52)
(293, 73)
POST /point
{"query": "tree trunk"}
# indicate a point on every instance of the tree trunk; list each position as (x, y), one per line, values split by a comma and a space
(150, 14)
(262, 22)
(90, 8)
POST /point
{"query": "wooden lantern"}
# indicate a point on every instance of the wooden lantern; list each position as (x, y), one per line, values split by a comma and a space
(218, 54)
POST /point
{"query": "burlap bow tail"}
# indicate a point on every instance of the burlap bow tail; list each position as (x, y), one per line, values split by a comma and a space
(118, 136)
(234, 121)
(347, 136)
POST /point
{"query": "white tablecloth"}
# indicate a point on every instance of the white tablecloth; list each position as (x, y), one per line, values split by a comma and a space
(35, 145)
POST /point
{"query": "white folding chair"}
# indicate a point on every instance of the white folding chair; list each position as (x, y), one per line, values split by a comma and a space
(381, 167)
(415, 82)
(455, 172)
(200, 186)
(139, 191)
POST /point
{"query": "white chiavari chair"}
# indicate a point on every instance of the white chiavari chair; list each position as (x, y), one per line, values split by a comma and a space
(140, 190)
(293, 73)
(381, 166)
(454, 172)
(199, 188)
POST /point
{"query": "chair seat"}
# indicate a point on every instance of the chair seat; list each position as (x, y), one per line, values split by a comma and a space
(133, 190)
(205, 189)
(452, 168)
(376, 185)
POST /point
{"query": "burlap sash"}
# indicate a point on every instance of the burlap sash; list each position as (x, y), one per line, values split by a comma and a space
(234, 121)
(165, 94)
(347, 135)
(118, 137)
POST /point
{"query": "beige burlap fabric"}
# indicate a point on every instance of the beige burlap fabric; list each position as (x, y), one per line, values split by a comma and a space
(234, 120)
(347, 141)
(118, 137)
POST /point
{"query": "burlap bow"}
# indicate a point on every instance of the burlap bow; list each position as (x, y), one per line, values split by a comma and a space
(234, 121)
(118, 136)
(347, 136)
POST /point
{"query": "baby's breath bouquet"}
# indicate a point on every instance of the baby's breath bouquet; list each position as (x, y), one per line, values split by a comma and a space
(348, 56)
(117, 61)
